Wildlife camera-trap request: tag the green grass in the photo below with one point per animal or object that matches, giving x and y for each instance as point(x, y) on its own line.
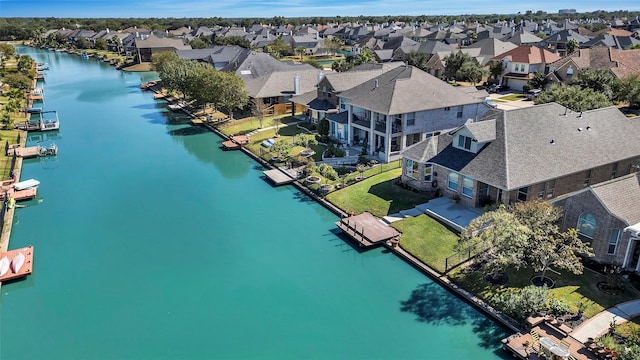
point(253, 123)
point(286, 134)
point(513, 97)
point(573, 288)
point(427, 239)
point(378, 195)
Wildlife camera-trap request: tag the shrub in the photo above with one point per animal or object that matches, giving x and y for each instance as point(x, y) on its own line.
point(328, 172)
point(523, 303)
point(323, 127)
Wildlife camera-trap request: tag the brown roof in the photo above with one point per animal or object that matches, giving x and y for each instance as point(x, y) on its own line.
point(621, 62)
point(628, 62)
point(616, 32)
point(529, 55)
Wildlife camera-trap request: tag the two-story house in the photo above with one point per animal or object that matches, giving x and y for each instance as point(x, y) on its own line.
point(401, 107)
point(521, 63)
point(621, 63)
point(538, 152)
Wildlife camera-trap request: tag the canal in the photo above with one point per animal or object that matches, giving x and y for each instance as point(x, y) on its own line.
point(152, 243)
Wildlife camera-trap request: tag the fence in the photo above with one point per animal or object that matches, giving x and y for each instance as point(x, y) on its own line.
point(5, 203)
point(460, 257)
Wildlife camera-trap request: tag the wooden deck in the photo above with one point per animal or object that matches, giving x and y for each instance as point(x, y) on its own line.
point(236, 142)
point(24, 152)
point(367, 229)
point(18, 195)
point(279, 177)
point(523, 346)
point(26, 268)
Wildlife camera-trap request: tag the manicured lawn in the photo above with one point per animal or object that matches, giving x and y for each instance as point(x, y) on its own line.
point(513, 97)
point(574, 289)
point(286, 134)
point(249, 124)
point(427, 239)
point(378, 195)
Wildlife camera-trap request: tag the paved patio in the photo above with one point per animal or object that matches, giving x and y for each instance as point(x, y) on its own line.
point(455, 215)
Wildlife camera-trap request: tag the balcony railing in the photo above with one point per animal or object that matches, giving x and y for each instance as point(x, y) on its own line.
point(360, 120)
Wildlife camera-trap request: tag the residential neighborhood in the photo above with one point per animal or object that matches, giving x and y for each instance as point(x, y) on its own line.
point(501, 158)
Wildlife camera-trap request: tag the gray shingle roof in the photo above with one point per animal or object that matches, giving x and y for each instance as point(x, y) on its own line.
point(622, 197)
point(406, 89)
point(483, 131)
point(523, 153)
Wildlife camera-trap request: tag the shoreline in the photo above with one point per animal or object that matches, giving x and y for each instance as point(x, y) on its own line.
point(441, 279)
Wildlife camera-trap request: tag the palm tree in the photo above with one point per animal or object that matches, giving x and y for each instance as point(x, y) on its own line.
point(300, 50)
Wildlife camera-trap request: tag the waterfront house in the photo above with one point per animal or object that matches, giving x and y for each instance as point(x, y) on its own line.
point(401, 107)
point(147, 46)
point(521, 63)
point(538, 152)
point(607, 216)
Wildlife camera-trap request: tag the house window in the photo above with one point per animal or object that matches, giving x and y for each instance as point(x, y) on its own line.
point(412, 169)
point(586, 226)
point(483, 189)
point(587, 179)
point(452, 182)
point(570, 72)
point(411, 119)
point(614, 170)
point(459, 112)
point(467, 186)
point(428, 172)
point(613, 241)
point(447, 108)
point(522, 193)
point(464, 142)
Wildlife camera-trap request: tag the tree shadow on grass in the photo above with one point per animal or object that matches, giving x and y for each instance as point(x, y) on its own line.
point(433, 304)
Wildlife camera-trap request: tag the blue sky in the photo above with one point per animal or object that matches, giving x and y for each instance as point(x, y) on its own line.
point(290, 8)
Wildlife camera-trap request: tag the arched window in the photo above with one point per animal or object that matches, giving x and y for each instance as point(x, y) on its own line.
point(586, 225)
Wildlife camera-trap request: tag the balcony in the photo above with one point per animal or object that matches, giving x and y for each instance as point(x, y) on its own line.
point(360, 120)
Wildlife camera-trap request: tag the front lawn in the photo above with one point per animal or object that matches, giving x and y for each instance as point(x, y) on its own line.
point(513, 97)
point(427, 240)
point(574, 289)
point(378, 195)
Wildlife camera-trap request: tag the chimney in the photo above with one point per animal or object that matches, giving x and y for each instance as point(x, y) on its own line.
point(376, 84)
point(296, 84)
point(107, 30)
point(320, 76)
point(137, 34)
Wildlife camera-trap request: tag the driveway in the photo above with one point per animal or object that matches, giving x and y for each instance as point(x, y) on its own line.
point(509, 104)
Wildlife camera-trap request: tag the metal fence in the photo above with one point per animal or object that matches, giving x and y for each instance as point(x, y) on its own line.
point(461, 256)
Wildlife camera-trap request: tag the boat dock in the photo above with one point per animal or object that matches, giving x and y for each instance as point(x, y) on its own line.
point(283, 176)
point(32, 151)
point(26, 267)
point(236, 142)
point(367, 230)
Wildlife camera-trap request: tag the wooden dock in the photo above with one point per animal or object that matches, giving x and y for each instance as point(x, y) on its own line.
point(31, 151)
point(25, 270)
point(279, 177)
point(367, 230)
point(236, 142)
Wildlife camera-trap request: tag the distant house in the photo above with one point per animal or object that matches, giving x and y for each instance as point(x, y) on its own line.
point(557, 43)
point(217, 56)
point(401, 107)
point(607, 216)
point(148, 46)
point(538, 152)
point(521, 63)
point(621, 63)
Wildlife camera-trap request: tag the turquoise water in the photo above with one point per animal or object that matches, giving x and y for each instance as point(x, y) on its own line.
point(152, 243)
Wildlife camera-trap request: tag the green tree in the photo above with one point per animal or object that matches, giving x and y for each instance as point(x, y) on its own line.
point(500, 239)
point(547, 245)
point(101, 44)
point(232, 40)
point(630, 91)
point(175, 75)
point(25, 64)
point(572, 45)
point(323, 127)
point(18, 80)
point(574, 97)
point(417, 59)
point(118, 43)
point(453, 62)
point(341, 65)
point(538, 81)
point(365, 56)
point(83, 43)
point(278, 48)
point(7, 49)
point(333, 44)
point(600, 81)
point(300, 50)
point(231, 93)
point(471, 71)
point(305, 140)
point(158, 60)
point(495, 69)
point(198, 43)
point(5, 120)
point(281, 149)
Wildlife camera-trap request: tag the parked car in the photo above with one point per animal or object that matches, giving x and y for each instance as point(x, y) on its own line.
point(533, 94)
point(496, 88)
